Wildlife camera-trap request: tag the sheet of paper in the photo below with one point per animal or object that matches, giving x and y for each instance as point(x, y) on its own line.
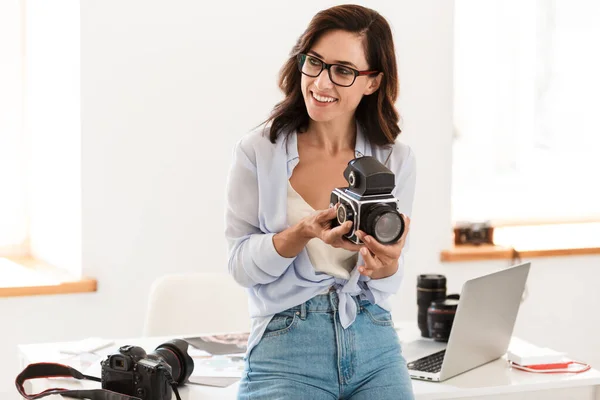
point(229, 343)
point(226, 366)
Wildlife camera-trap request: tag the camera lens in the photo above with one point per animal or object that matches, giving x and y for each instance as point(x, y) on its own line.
point(440, 317)
point(430, 288)
point(175, 354)
point(387, 227)
point(384, 223)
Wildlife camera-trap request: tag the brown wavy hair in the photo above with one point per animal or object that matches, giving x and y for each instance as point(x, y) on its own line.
point(375, 113)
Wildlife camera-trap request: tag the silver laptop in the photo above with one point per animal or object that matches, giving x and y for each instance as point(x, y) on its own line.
point(481, 331)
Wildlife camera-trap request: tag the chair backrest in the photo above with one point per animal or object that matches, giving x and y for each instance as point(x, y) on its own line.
point(188, 304)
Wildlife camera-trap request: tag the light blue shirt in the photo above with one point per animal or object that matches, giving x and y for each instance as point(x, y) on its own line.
point(256, 209)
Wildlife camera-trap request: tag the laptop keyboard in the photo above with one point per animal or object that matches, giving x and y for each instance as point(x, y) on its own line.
point(432, 363)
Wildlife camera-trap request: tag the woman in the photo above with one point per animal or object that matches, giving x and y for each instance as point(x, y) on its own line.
point(321, 327)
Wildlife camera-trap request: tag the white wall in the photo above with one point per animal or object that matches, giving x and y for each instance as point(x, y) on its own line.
point(164, 98)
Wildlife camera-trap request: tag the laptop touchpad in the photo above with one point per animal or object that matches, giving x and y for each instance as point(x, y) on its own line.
point(418, 348)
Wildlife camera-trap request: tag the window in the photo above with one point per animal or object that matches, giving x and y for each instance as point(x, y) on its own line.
point(527, 132)
point(13, 213)
point(40, 190)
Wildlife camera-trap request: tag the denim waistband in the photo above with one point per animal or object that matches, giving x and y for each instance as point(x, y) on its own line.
point(326, 303)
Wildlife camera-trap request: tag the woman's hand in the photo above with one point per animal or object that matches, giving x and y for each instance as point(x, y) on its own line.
point(289, 242)
point(381, 260)
point(318, 225)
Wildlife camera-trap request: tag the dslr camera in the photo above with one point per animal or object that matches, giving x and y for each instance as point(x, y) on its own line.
point(151, 376)
point(368, 201)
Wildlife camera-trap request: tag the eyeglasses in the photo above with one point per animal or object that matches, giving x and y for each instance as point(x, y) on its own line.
point(340, 75)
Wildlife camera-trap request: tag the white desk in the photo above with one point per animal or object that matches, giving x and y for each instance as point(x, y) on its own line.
point(495, 380)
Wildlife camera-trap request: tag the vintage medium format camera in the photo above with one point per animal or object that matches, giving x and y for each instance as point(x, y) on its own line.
point(368, 201)
point(151, 376)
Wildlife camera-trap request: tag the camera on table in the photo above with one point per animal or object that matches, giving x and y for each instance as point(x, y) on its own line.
point(368, 201)
point(151, 376)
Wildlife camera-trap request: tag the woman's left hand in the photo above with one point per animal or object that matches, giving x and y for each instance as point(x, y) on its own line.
point(381, 260)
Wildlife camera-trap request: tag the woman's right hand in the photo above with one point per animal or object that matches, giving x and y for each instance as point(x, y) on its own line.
point(319, 225)
point(289, 242)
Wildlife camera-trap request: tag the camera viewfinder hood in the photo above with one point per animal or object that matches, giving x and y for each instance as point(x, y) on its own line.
point(367, 176)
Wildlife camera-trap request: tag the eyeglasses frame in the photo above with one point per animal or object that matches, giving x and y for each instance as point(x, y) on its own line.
point(326, 66)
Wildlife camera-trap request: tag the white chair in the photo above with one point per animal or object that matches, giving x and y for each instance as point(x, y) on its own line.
point(189, 304)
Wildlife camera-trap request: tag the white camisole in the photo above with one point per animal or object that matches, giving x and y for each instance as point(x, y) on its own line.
point(336, 262)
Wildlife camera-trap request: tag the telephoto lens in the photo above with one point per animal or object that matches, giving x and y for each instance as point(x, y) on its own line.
point(430, 287)
point(440, 317)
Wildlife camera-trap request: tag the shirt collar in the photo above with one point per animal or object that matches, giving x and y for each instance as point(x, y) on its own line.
point(360, 147)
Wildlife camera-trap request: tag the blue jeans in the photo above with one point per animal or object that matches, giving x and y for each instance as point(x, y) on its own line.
point(306, 354)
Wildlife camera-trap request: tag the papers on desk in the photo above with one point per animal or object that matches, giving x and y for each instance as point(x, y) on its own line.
point(228, 343)
point(222, 370)
point(218, 359)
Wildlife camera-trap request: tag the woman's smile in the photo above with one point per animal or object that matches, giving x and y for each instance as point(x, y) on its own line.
point(321, 100)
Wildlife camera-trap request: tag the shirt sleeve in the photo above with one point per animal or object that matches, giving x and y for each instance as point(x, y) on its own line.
point(378, 290)
point(253, 259)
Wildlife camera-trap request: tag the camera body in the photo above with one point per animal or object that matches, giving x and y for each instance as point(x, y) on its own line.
point(148, 376)
point(368, 201)
point(131, 372)
point(475, 233)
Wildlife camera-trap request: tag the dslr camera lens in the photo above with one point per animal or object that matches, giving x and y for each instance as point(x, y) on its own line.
point(175, 354)
point(430, 288)
point(440, 317)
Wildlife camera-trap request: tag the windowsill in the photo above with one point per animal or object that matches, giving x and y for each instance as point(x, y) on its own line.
point(26, 276)
point(492, 252)
point(527, 241)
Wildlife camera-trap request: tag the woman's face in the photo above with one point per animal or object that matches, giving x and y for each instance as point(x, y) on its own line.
point(326, 101)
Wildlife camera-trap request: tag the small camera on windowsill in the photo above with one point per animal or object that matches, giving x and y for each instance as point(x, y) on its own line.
point(474, 233)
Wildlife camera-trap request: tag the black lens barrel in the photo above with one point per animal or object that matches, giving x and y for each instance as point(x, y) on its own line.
point(430, 288)
point(174, 353)
point(440, 317)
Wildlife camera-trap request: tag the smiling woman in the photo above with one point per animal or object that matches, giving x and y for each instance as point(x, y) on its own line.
point(332, 95)
point(362, 75)
point(313, 293)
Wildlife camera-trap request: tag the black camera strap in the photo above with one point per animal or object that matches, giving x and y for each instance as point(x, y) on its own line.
point(52, 370)
point(172, 383)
